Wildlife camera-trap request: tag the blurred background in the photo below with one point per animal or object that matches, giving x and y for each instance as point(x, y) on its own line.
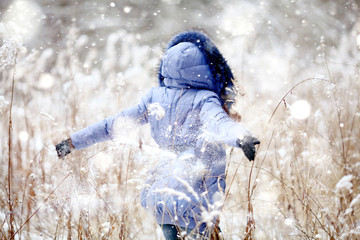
point(75, 62)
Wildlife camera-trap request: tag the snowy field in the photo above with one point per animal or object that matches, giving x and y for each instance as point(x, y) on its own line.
point(67, 64)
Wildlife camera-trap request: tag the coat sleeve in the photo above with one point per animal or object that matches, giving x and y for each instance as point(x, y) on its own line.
point(103, 130)
point(218, 125)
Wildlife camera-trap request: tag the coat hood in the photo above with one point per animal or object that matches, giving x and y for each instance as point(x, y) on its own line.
point(192, 60)
point(184, 66)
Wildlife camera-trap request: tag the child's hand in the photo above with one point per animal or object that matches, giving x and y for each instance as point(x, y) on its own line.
point(64, 148)
point(247, 144)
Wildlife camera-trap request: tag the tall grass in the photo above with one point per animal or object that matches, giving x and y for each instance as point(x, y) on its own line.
point(303, 184)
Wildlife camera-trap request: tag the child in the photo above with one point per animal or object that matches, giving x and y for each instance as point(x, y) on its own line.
point(196, 91)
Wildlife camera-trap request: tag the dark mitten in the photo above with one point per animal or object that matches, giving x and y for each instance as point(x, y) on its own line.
point(247, 144)
point(64, 148)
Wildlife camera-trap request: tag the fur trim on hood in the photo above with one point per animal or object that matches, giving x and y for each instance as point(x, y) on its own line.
point(219, 68)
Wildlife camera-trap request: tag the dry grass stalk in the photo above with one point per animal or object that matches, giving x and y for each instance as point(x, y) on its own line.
point(11, 212)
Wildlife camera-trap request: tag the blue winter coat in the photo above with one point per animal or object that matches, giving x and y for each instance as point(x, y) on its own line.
point(185, 191)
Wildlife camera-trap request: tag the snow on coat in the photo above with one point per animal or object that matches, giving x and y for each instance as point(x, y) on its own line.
point(187, 190)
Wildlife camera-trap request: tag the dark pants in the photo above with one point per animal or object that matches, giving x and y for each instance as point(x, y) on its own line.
point(171, 232)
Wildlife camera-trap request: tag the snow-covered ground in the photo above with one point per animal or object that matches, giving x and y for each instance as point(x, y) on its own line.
point(297, 67)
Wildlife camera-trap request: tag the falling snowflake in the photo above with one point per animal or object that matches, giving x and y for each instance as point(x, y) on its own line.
point(156, 110)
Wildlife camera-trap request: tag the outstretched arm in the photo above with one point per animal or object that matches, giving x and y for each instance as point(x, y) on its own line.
point(225, 129)
point(102, 130)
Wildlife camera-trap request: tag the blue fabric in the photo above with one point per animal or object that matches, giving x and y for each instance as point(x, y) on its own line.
point(220, 70)
point(194, 126)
